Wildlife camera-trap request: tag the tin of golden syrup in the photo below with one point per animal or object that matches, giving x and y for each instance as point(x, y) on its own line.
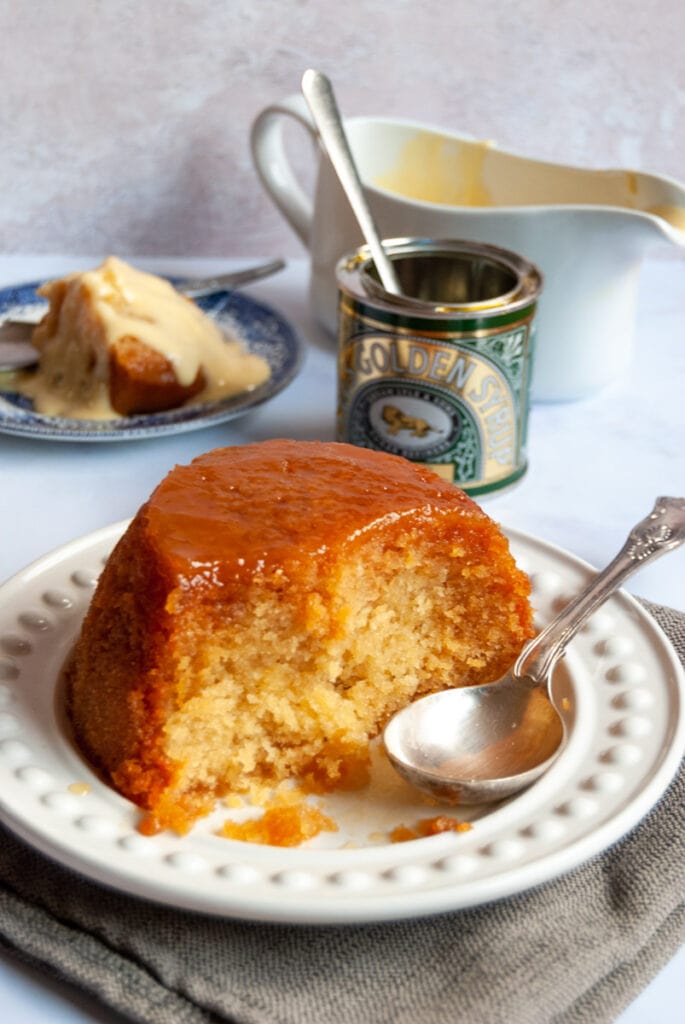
point(441, 374)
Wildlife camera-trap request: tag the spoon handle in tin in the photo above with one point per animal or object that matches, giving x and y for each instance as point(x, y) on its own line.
point(661, 531)
point(318, 92)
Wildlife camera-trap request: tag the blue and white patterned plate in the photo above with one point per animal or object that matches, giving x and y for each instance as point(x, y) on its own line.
point(265, 333)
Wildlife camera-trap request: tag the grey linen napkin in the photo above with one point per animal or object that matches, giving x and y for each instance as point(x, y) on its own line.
point(576, 949)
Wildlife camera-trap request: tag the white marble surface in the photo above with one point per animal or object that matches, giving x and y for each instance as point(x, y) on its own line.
point(595, 468)
point(125, 125)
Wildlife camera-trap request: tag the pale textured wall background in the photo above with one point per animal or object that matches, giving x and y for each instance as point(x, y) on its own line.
point(125, 124)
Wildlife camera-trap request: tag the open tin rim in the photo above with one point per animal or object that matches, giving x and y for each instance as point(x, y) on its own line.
point(476, 277)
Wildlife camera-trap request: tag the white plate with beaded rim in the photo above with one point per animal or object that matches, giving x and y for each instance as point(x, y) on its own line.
point(624, 690)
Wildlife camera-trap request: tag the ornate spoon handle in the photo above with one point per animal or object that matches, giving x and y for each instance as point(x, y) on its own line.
point(661, 531)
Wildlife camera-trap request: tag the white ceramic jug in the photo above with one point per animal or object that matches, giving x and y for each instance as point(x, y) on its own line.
point(586, 230)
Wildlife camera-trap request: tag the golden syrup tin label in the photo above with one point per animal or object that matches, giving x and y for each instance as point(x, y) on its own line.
point(446, 387)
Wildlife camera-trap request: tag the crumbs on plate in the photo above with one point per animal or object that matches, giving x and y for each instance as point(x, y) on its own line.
point(79, 788)
point(287, 818)
point(429, 827)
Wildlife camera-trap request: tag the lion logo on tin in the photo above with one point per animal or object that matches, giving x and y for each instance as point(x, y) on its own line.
point(396, 420)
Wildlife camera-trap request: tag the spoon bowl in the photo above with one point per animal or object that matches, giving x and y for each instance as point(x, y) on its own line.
point(478, 744)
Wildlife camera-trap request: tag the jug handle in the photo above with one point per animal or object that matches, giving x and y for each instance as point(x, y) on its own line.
point(273, 166)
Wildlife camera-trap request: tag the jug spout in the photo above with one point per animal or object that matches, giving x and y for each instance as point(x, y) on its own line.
point(638, 231)
point(660, 205)
point(669, 224)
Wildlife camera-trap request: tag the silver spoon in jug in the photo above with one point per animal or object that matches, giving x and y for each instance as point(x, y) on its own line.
point(318, 92)
point(478, 744)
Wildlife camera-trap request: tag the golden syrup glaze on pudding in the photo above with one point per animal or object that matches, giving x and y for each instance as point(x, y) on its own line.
point(118, 341)
point(269, 608)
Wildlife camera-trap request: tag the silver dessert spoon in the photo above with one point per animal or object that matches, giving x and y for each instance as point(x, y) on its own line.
point(483, 743)
point(17, 352)
point(318, 92)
